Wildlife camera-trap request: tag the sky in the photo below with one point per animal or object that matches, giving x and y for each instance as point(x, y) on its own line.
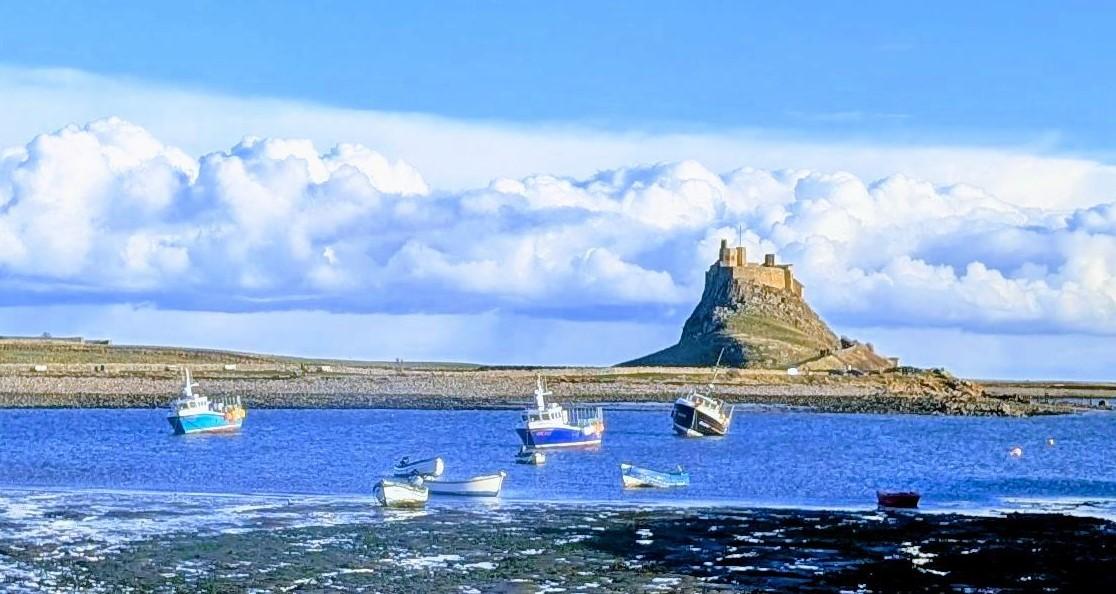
point(540, 183)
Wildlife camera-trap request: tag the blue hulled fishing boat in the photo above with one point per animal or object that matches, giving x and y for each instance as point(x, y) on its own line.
point(552, 426)
point(194, 413)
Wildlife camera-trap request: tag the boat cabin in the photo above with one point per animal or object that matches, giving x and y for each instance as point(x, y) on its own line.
point(553, 413)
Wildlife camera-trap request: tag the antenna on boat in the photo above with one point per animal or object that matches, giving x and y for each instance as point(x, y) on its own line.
point(540, 392)
point(717, 368)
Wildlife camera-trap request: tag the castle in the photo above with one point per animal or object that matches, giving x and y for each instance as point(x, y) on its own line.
point(769, 274)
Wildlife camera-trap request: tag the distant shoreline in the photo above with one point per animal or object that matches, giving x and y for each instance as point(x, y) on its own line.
point(75, 373)
point(480, 389)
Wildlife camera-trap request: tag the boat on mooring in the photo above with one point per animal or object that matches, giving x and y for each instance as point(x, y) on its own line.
point(195, 413)
point(530, 456)
point(635, 477)
point(426, 467)
point(898, 499)
point(400, 493)
point(553, 426)
point(488, 485)
point(699, 415)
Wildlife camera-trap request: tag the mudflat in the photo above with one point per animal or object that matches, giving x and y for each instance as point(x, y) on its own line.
point(578, 549)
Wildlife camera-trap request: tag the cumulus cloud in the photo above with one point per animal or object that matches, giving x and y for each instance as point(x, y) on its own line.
point(108, 212)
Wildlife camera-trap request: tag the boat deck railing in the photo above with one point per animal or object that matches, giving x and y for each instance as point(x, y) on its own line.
point(582, 415)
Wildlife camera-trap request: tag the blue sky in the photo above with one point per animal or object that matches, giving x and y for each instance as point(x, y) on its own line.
point(545, 183)
point(1014, 70)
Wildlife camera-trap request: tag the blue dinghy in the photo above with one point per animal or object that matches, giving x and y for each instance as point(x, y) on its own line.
point(634, 477)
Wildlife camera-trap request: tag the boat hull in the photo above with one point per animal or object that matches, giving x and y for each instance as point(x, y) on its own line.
point(532, 458)
point(559, 437)
point(430, 467)
point(206, 422)
point(481, 486)
point(398, 494)
point(691, 421)
point(898, 500)
point(634, 477)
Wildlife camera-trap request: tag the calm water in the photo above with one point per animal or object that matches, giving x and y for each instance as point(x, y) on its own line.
point(770, 458)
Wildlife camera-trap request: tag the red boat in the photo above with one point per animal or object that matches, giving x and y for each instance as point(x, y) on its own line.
point(899, 499)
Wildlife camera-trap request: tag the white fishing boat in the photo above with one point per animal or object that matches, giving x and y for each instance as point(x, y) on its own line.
point(401, 494)
point(531, 456)
point(488, 485)
point(426, 468)
point(635, 477)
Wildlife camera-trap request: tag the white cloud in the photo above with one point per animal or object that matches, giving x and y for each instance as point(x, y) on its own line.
point(458, 155)
point(108, 212)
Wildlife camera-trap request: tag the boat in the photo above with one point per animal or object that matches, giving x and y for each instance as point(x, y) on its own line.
point(195, 413)
point(426, 467)
point(488, 485)
point(898, 499)
point(700, 415)
point(634, 476)
point(531, 456)
point(400, 493)
point(553, 426)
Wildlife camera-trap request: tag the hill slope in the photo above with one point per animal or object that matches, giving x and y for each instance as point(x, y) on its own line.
point(757, 326)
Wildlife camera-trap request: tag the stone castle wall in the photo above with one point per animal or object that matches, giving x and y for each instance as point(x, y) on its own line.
point(769, 274)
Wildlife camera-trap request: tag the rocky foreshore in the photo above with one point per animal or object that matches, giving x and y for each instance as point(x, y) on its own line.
point(587, 549)
point(382, 387)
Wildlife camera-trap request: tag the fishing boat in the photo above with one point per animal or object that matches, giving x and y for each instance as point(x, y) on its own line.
point(634, 477)
point(898, 499)
point(699, 415)
point(531, 456)
point(553, 426)
point(195, 413)
point(426, 467)
point(401, 494)
point(488, 485)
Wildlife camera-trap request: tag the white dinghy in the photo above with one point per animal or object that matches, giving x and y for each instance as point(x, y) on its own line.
point(531, 456)
point(488, 485)
point(426, 468)
point(401, 494)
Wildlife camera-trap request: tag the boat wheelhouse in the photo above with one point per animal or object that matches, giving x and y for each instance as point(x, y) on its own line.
point(554, 426)
point(195, 413)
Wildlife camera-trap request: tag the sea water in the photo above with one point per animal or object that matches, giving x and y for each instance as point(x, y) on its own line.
point(770, 457)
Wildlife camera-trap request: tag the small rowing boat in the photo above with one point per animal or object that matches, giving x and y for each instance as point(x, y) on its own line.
point(488, 485)
point(531, 456)
point(898, 499)
point(401, 494)
point(635, 477)
point(426, 468)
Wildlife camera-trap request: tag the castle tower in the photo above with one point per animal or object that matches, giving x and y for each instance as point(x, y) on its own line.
point(732, 257)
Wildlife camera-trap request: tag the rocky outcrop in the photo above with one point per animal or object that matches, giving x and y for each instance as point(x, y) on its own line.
point(759, 325)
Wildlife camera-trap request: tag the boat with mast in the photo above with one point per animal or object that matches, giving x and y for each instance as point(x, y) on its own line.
point(699, 415)
point(554, 426)
point(195, 413)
